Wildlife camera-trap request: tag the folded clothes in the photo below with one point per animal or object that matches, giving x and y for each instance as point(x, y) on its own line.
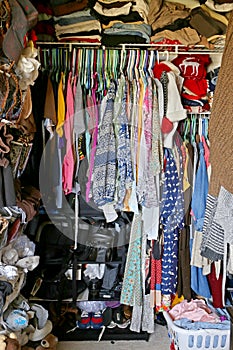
point(188, 324)
point(194, 310)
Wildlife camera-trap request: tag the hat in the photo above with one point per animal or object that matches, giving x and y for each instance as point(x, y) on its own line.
point(23, 18)
point(10, 256)
point(39, 334)
point(223, 7)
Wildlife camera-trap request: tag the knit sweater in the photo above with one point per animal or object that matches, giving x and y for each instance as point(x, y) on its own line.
point(221, 122)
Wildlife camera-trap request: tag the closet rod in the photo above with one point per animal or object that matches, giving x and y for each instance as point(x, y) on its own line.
point(174, 48)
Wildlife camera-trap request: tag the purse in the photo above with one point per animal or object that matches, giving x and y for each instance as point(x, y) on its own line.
point(101, 241)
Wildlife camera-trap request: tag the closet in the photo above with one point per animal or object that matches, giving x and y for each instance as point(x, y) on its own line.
point(135, 146)
point(111, 215)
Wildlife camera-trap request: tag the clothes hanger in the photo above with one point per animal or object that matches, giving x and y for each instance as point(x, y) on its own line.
point(80, 64)
point(115, 58)
point(193, 128)
point(99, 68)
point(200, 129)
point(151, 63)
point(136, 70)
point(186, 129)
point(44, 59)
point(88, 67)
point(130, 64)
point(107, 70)
point(141, 64)
point(122, 60)
point(73, 61)
point(145, 63)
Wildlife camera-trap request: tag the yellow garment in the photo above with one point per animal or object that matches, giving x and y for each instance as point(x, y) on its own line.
point(177, 300)
point(60, 107)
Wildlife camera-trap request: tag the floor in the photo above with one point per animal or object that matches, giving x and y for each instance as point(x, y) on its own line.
point(158, 341)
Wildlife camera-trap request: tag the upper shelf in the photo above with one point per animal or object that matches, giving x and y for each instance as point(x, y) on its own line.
point(169, 48)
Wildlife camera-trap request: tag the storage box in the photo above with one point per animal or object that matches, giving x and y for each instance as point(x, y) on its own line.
point(185, 339)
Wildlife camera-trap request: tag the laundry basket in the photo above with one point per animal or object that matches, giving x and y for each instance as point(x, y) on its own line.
point(185, 339)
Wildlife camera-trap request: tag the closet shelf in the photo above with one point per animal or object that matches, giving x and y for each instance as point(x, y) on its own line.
point(93, 334)
point(169, 48)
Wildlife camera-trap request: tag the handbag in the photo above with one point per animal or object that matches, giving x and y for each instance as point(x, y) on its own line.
point(53, 284)
point(100, 241)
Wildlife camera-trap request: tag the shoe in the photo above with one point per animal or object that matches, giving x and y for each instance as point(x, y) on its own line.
point(112, 325)
point(96, 320)
point(124, 324)
point(85, 321)
point(119, 319)
point(160, 319)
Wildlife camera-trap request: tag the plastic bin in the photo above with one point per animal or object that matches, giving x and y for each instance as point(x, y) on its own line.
point(184, 339)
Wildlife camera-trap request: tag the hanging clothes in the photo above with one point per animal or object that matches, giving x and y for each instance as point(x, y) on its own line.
point(172, 216)
point(199, 282)
point(104, 172)
point(125, 176)
point(131, 293)
point(68, 161)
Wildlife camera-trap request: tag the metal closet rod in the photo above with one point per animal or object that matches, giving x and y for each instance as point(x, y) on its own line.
point(174, 48)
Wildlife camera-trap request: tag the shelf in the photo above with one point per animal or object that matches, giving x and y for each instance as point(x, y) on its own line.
point(93, 334)
point(99, 262)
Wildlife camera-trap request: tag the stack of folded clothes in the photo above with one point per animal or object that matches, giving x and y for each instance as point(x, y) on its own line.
point(122, 21)
point(73, 21)
point(44, 28)
point(189, 22)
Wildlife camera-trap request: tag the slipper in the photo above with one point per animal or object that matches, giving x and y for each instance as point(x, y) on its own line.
point(41, 314)
point(39, 334)
point(28, 263)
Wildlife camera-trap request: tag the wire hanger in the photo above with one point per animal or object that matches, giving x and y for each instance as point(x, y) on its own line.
point(151, 63)
point(122, 61)
point(186, 129)
point(193, 128)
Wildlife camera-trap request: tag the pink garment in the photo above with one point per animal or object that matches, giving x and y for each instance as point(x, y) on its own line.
point(68, 162)
point(206, 151)
point(194, 310)
point(93, 129)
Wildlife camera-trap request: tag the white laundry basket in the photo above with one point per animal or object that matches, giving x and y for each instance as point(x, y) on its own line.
point(185, 339)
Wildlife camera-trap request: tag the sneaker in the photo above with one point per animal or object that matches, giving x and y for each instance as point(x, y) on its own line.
point(124, 324)
point(119, 319)
point(111, 325)
point(85, 321)
point(97, 320)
